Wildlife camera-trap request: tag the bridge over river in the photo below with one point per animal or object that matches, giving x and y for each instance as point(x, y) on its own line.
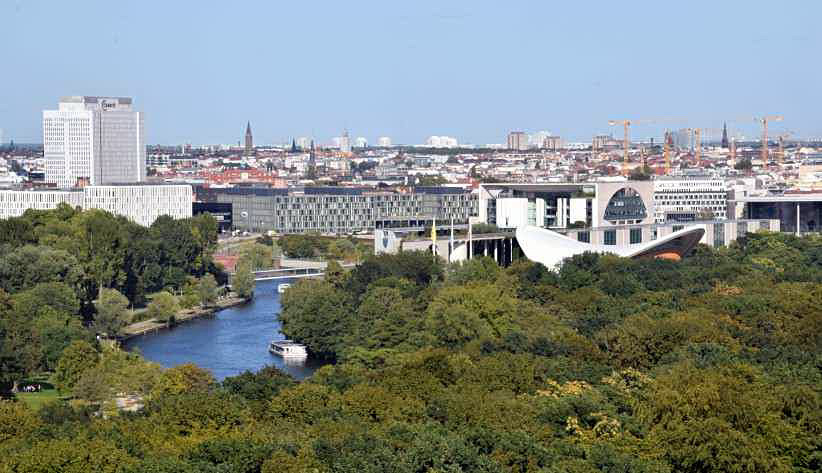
point(294, 269)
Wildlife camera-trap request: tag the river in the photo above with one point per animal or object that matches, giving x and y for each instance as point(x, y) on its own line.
point(227, 343)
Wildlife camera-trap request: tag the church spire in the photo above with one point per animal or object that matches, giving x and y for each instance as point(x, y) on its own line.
point(724, 135)
point(249, 140)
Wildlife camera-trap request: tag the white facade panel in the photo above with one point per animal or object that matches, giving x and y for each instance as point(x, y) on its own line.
point(512, 212)
point(140, 204)
point(579, 210)
point(15, 203)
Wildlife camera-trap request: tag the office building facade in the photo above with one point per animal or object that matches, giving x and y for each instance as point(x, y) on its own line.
point(139, 203)
point(685, 199)
point(338, 210)
point(94, 140)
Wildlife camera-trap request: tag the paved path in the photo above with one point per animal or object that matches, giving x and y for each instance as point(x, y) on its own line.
point(151, 325)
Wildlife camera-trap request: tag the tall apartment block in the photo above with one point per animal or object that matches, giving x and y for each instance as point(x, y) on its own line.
point(94, 140)
point(517, 141)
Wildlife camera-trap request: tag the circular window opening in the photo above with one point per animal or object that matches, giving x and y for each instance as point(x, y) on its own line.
point(625, 204)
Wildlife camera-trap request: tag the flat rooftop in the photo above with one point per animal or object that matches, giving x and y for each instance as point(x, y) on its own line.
point(783, 198)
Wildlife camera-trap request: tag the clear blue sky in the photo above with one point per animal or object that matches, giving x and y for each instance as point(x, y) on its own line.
point(470, 69)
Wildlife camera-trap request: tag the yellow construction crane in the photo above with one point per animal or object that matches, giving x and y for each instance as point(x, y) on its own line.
point(733, 151)
point(698, 142)
point(764, 121)
point(626, 140)
point(626, 137)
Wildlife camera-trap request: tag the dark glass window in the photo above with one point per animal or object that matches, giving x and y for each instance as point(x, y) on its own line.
point(610, 237)
point(584, 237)
point(719, 235)
point(626, 204)
point(636, 236)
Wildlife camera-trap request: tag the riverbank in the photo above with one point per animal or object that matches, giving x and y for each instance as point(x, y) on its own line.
point(152, 325)
point(228, 343)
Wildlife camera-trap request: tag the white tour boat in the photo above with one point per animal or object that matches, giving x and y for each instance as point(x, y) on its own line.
point(288, 349)
point(282, 287)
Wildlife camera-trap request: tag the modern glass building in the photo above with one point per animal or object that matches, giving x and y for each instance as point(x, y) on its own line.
point(338, 210)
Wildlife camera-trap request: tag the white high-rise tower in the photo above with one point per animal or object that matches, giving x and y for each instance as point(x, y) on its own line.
point(345, 142)
point(94, 140)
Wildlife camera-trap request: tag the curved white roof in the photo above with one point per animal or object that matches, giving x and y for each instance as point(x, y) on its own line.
point(551, 248)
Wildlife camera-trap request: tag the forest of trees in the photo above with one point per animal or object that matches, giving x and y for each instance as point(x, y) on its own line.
point(69, 275)
point(711, 364)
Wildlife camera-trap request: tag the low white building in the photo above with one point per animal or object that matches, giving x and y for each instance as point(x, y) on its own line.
point(441, 142)
point(141, 204)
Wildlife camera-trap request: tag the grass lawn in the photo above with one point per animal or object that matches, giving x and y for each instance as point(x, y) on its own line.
point(38, 400)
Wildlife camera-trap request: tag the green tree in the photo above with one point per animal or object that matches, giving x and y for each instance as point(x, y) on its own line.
point(297, 246)
point(54, 296)
point(27, 266)
point(16, 232)
point(185, 378)
point(722, 419)
point(55, 332)
point(260, 386)
point(207, 290)
point(316, 313)
point(73, 456)
point(118, 372)
point(243, 281)
point(258, 256)
point(76, 360)
point(12, 363)
point(101, 247)
point(483, 268)
point(334, 273)
point(342, 248)
point(460, 314)
point(112, 312)
point(480, 228)
point(384, 319)
point(16, 420)
point(204, 230)
point(163, 307)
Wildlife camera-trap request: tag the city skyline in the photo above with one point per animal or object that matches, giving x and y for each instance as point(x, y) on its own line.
point(367, 68)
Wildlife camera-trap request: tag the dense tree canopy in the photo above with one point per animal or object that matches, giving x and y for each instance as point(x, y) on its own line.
point(711, 364)
point(67, 274)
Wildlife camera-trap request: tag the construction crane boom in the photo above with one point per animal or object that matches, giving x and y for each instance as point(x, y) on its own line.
point(764, 121)
point(626, 143)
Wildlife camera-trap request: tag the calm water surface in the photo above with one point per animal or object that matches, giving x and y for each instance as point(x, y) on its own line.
point(229, 342)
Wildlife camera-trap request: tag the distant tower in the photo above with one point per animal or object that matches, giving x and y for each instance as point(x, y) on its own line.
point(312, 163)
point(724, 135)
point(249, 140)
point(345, 142)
